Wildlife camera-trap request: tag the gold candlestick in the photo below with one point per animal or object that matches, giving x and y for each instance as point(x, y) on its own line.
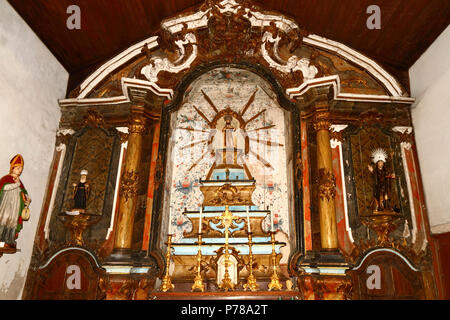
point(227, 219)
point(167, 282)
point(251, 280)
point(274, 280)
point(226, 284)
point(198, 281)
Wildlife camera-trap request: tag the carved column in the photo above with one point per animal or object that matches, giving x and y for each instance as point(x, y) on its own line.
point(326, 181)
point(129, 183)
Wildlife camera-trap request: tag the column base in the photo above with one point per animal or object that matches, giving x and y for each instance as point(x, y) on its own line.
point(324, 257)
point(325, 287)
point(323, 276)
point(134, 261)
point(120, 256)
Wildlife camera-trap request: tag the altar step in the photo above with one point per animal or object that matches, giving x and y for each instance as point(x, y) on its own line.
point(182, 291)
point(229, 295)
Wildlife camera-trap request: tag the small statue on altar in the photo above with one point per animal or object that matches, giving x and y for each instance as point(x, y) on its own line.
point(14, 202)
point(381, 181)
point(229, 137)
point(81, 193)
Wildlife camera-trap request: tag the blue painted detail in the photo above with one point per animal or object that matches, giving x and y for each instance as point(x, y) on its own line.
point(192, 250)
point(214, 226)
point(222, 240)
point(241, 214)
point(239, 226)
point(232, 208)
point(235, 174)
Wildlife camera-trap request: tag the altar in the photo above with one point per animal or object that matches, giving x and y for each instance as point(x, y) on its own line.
point(251, 250)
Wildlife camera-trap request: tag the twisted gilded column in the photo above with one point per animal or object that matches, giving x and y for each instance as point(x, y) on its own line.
point(326, 181)
point(129, 183)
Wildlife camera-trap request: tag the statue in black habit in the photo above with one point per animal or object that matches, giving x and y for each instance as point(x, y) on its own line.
point(81, 193)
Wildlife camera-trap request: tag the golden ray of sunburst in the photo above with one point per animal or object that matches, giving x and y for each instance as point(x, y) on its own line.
point(249, 102)
point(210, 102)
point(255, 116)
point(198, 160)
point(262, 128)
point(202, 115)
point(194, 143)
point(268, 143)
point(192, 129)
point(262, 160)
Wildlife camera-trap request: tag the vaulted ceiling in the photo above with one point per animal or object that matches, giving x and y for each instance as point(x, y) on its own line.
point(408, 27)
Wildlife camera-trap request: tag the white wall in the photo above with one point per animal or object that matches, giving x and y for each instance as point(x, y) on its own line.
point(31, 81)
point(430, 85)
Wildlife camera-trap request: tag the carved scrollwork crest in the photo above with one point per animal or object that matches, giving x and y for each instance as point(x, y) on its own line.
point(230, 30)
point(227, 194)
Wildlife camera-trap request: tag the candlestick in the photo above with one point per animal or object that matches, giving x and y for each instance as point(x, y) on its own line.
point(251, 280)
point(227, 219)
point(248, 221)
point(275, 283)
point(166, 281)
point(198, 280)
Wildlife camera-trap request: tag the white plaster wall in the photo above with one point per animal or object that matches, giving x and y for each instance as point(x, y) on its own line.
point(31, 81)
point(430, 85)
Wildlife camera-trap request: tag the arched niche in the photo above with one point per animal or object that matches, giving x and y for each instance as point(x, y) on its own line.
point(267, 136)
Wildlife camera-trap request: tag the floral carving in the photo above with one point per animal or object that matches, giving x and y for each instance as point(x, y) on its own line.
point(129, 184)
point(327, 184)
point(94, 119)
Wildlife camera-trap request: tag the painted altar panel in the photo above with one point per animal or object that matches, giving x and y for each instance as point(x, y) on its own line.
point(199, 134)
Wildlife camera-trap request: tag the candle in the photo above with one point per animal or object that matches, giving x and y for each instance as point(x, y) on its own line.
point(271, 216)
point(200, 223)
point(248, 221)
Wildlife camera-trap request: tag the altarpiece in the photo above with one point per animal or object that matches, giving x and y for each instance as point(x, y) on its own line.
point(231, 154)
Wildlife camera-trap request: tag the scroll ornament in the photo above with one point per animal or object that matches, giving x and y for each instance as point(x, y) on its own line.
point(293, 64)
point(158, 64)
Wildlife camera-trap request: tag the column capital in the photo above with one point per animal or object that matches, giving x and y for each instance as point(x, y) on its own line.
point(137, 121)
point(321, 119)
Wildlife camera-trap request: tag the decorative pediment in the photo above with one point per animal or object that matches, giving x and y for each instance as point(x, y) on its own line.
point(239, 33)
